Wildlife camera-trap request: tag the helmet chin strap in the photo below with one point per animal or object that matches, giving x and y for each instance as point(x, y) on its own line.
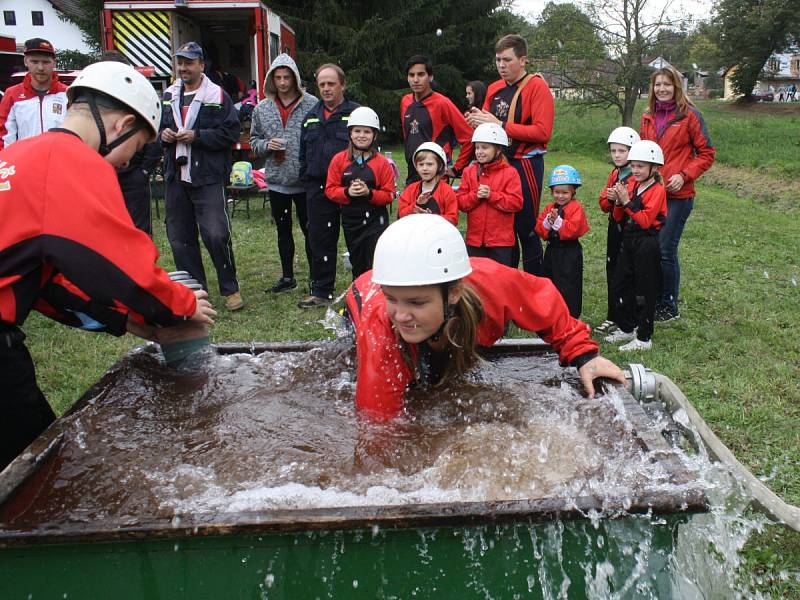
point(105, 148)
point(448, 312)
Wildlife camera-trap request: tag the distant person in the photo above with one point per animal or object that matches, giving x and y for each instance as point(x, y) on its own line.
point(275, 134)
point(490, 194)
point(68, 246)
point(428, 116)
point(324, 135)
point(38, 103)
point(523, 105)
point(641, 205)
point(619, 144)
point(672, 121)
point(431, 194)
point(562, 224)
point(198, 126)
point(475, 94)
point(361, 180)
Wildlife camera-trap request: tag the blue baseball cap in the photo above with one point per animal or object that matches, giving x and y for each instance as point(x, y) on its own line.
point(190, 50)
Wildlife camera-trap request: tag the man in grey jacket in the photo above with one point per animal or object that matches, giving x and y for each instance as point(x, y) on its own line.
point(275, 133)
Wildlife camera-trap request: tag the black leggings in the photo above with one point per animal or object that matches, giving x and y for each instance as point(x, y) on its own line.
point(502, 254)
point(281, 206)
point(637, 284)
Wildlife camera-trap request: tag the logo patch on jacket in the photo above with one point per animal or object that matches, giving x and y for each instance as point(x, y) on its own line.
point(5, 173)
point(57, 108)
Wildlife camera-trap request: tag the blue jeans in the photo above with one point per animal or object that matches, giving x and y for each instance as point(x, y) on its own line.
point(669, 237)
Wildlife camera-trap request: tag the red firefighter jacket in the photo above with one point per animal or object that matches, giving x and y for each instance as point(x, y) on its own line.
point(376, 172)
point(646, 211)
point(508, 295)
point(573, 222)
point(24, 113)
point(67, 243)
point(605, 205)
point(490, 222)
point(686, 145)
point(443, 201)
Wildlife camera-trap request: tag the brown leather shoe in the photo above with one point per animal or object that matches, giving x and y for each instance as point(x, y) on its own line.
point(234, 301)
point(312, 301)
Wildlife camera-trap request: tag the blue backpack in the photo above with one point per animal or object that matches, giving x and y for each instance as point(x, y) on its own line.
point(242, 173)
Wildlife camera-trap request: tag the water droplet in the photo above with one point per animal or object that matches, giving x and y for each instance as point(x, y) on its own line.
point(766, 274)
point(366, 214)
point(329, 224)
point(269, 580)
point(244, 559)
point(355, 583)
point(325, 258)
point(794, 282)
point(176, 521)
point(176, 547)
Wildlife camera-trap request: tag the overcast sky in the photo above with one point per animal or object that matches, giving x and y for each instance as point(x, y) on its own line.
point(696, 9)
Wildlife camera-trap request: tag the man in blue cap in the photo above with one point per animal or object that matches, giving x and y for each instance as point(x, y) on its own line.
point(198, 126)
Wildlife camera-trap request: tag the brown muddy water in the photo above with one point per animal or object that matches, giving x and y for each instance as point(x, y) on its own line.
point(279, 430)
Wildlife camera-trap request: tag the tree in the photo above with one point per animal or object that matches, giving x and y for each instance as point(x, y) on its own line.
point(748, 32)
point(67, 60)
point(86, 15)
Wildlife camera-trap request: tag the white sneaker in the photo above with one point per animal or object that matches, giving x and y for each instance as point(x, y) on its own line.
point(636, 344)
point(620, 336)
point(606, 327)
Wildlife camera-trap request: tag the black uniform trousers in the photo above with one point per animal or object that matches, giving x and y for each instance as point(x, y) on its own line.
point(281, 207)
point(637, 283)
point(324, 221)
point(530, 172)
point(189, 208)
point(362, 227)
point(26, 413)
point(613, 243)
point(135, 186)
point(563, 265)
point(502, 254)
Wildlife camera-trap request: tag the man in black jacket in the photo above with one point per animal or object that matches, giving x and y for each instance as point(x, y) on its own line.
point(324, 133)
point(198, 126)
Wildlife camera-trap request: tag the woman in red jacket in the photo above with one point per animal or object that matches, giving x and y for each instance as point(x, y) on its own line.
point(677, 126)
point(361, 180)
point(422, 313)
point(490, 194)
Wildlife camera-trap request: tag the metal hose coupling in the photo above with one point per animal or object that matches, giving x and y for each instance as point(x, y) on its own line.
point(641, 382)
point(178, 350)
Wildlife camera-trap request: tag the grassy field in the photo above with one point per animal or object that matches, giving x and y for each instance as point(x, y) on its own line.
point(735, 352)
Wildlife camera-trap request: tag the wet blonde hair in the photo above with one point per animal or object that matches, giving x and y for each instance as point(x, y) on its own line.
point(682, 102)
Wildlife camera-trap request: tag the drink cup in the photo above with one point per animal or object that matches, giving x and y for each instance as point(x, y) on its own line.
point(280, 155)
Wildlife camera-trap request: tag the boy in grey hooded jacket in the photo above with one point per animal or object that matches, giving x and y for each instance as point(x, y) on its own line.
point(275, 134)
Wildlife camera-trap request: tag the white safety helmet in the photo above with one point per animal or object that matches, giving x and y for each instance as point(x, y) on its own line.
point(363, 116)
point(431, 147)
point(626, 136)
point(646, 151)
point(124, 84)
point(491, 133)
point(420, 249)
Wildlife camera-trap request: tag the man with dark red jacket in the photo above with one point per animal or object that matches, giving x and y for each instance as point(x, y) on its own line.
point(428, 116)
point(523, 105)
point(39, 102)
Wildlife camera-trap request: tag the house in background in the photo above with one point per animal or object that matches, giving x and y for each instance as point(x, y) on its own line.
point(25, 19)
point(780, 71)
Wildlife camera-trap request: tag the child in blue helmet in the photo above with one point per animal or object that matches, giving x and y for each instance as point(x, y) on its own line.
point(561, 224)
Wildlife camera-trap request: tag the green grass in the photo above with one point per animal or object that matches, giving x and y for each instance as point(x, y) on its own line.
point(735, 352)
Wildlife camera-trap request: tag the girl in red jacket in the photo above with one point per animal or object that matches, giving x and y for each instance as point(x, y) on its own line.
point(429, 195)
point(642, 207)
point(422, 313)
point(490, 194)
point(561, 224)
point(361, 180)
point(675, 123)
point(619, 144)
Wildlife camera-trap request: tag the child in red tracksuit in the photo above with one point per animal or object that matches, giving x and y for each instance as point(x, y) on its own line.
point(560, 224)
point(642, 208)
point(362, 181)
point(429, 195)
point(619, 144)
point(490, 194)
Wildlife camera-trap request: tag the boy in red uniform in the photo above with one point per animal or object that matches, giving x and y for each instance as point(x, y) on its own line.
point(361, 180)
point(490, 194)
point(619, 144)
point(429, 195)
point(68, 247)
point(561, 224)
point(642, 207)
point(428, 116)
point(421, 315)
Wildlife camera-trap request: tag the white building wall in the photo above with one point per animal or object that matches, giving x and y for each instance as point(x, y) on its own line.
point(62, 34)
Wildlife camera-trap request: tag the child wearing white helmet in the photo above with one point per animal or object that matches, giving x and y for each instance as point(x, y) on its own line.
point(362, 181)
point(619, 144)
point(430, 194)
point(490, 193)
point(561, 224)
point(424, 310)
point(641, 208)
point(70, 249)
